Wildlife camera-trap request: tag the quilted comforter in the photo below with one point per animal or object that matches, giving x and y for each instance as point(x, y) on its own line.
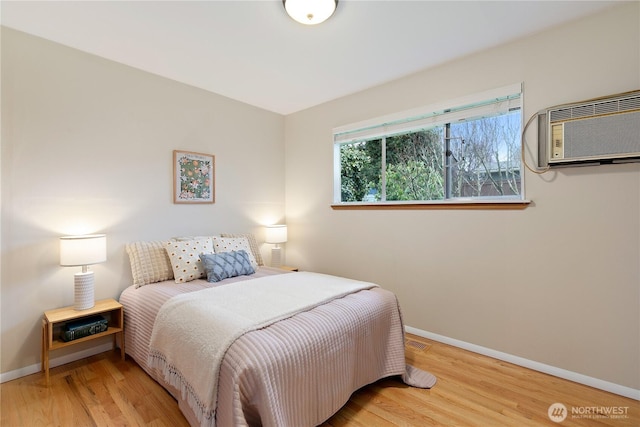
point(296, 371)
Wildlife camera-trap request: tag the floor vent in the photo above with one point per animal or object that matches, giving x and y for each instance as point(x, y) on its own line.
point(416, 345)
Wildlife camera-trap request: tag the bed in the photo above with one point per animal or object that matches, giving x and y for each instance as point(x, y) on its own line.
point(270, 348)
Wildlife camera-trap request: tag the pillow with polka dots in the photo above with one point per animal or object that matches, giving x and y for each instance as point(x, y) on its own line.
point(228, 244)
point(253, 244)
point(185, 258)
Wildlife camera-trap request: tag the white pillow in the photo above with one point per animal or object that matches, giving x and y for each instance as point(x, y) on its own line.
point(228, 244)
point(149, 262)
point(185, 258)
point(255, 250)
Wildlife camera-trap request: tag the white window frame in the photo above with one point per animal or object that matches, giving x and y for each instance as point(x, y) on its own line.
point(485, 103)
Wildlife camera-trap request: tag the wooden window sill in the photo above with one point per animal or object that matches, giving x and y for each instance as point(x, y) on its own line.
point(448, 205)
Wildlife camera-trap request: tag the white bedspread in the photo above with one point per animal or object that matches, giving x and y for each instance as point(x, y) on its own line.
point(193, 332)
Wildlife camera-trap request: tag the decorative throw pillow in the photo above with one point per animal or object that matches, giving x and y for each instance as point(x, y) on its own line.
point(149, 262)
point(253, 244)
point(227, 244)
point(223, 265)
point(185, 258)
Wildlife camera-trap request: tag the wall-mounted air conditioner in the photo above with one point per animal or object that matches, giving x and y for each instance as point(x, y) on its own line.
point(605, 130)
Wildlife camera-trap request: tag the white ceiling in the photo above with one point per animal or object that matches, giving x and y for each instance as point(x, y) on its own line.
point(253, 52)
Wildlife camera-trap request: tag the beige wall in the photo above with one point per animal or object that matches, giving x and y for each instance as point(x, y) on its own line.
point(557, 283)
point(87, 147)
point(87, 143)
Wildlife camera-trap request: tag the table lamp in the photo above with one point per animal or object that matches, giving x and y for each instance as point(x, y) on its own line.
point(276, 234)
point(83, 251)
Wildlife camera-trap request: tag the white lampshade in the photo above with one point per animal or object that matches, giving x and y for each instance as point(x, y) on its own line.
point(276, 234)
point(310, 12)
point(83, 251)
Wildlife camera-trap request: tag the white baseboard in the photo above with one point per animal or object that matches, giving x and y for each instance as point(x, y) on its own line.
point(62, 360)
point(536, 366)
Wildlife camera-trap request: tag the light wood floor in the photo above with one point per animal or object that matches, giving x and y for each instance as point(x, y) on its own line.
point(472, 390)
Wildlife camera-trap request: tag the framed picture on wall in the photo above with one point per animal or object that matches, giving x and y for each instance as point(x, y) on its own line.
point(193, 177)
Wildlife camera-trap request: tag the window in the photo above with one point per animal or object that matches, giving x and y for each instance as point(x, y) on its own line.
point(470, 149)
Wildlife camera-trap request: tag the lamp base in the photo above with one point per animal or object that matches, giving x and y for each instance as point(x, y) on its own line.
point(83, 290)
point(276, 257)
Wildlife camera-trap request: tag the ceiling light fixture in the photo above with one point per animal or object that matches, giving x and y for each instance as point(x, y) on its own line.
point(310, 12)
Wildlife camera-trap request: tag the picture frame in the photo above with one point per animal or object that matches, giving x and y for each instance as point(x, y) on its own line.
point(193, 177)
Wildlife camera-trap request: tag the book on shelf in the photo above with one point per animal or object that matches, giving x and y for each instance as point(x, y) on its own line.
point(84, 327)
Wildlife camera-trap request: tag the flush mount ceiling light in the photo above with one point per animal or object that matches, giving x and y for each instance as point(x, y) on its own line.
point(310, 12)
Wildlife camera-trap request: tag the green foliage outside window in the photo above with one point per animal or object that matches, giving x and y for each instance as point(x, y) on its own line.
point(480, 158)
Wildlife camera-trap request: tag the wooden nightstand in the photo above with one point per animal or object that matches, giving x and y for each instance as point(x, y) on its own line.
point(54, 320)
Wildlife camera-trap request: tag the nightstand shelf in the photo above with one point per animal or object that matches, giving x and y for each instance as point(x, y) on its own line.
point(61, 344)
point(54, 320)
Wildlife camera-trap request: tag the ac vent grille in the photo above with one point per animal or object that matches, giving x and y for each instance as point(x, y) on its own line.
point(595, 109)
point(630, 104)
point(560, 115)
point(606, 108)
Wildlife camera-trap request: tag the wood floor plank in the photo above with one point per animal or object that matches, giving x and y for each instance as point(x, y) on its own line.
point(472, 390)
point(475, 390)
